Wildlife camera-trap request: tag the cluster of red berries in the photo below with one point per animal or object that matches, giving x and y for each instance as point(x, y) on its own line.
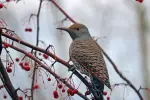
point(72, 92)
point(25, 66)
point(28, 29)
point(55, 94)
point(105, 93)
point(60, 86)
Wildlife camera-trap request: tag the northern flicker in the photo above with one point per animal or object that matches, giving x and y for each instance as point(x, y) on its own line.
point(86, 55)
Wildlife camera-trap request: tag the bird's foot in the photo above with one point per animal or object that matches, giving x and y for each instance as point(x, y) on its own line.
point(72, 68)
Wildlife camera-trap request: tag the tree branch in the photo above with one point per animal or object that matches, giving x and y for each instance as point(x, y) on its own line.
point(47, 69)
point(6, 81)
point(54, 57)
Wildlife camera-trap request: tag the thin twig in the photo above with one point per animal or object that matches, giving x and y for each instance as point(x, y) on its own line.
point(121, 75)
point(37, 43)
point(67, 16)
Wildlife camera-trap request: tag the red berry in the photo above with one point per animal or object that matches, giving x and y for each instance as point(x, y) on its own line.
point(72, 93)
point(5, 96)
point(17, 59)
point(55, 94)
point(45, 56)
point(105, 93)
point(49, 79)
point(87, 93)
point(75, 91)
point(1, 5)
point(6, 45)
point(9, 70)
point(30, 29)
point(140, 1)
point(69, 91)
point(60, 86)
point(26, 29)
point(108, 98)
point(36, 86)
point(26, 64)
point(20, 98)
point(27, 68)
point(7, 0)
point(63, 90)
point(21, 64)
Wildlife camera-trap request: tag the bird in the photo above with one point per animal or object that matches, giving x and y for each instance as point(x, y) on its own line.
point(87, 57)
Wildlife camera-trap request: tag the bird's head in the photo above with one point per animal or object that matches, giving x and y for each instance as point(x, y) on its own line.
point(77, 31)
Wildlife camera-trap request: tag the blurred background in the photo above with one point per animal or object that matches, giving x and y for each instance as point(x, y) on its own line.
point(122, 27)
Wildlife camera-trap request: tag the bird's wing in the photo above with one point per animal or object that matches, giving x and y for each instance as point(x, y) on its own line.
point(88, 54)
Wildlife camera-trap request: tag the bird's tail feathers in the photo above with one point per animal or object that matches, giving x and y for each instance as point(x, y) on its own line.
point(98, 87)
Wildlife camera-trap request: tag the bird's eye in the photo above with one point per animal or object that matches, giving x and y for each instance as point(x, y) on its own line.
point(77, 29)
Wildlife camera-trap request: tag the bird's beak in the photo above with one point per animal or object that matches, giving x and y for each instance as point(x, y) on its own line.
point(63, 28)
point(69, 31)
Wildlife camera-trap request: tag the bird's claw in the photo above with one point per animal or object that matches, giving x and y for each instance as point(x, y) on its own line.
point(72, 68)
point(63, 79)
